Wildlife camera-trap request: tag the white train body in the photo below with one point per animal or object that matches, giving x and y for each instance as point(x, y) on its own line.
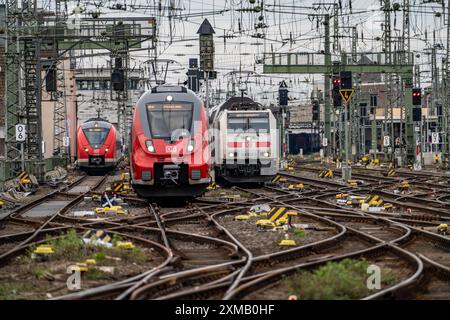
point(245, 145)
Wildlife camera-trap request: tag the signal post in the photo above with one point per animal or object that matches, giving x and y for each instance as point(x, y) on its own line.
point(346, 91)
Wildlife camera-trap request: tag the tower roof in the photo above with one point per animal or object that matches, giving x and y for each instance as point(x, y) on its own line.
point(206, 28)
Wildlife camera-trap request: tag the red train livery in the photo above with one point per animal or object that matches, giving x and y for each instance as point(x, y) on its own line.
point(169, 144)
point(98, 145)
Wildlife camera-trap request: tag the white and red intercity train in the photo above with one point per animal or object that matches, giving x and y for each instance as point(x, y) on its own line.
point(245, 141)
point(169, 149)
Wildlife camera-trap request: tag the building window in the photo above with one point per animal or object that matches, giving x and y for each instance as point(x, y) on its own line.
point(82, 84)
point(133, 84)
point(373, 100)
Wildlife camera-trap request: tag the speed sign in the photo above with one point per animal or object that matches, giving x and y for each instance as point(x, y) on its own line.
point(21, 134)
point(66, 141)
point(386, 141)
point(435, 138)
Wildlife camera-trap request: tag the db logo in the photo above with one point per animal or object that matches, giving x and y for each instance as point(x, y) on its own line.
point(171, 149)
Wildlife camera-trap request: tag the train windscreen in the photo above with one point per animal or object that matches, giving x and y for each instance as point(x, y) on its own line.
point(258, 123)
point(167, 118)
point(237, 124)
point(96, 136)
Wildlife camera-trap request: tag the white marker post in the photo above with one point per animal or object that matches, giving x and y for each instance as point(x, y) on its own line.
point(21, 136)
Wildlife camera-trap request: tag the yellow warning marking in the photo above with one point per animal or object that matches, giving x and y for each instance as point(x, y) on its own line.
point(23, 175)
point(212, 186)
point(277, 214)
point(118, 187)
point(346, 94)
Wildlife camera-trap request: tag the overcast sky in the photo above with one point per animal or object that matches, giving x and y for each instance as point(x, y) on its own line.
point(290, 28)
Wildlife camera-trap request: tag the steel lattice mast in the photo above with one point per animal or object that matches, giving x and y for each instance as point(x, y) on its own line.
point(446, 106)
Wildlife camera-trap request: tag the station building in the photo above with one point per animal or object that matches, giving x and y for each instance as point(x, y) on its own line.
point(94, 94)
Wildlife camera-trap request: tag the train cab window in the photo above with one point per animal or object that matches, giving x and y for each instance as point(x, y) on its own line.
point(237, 124)
point(254, 124)
point(96, 136)
point(260, 125)
point(165, 119)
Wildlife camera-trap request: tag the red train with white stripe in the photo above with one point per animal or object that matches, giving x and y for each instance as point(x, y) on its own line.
point(245, 141)
point(99, 146)
point(169, 144)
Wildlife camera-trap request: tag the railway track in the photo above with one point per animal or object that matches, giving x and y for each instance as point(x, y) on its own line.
point(356, 228)
point(204, 253)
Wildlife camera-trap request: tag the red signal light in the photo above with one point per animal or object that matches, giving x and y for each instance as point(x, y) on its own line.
point(417, 96)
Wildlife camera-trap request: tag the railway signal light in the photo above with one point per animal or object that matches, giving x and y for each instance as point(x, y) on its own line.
point(118, 80)
point(50, 80)
point(283, 94)
point(417, 96)
point(193, 79)
point(346, 80)
point(336, 82)
point(337, 99)
point(439, 110)
point(315, 110)
point(417, 114)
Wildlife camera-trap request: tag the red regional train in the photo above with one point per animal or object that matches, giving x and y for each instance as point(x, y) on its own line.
point(99, 146)
point(170, 155)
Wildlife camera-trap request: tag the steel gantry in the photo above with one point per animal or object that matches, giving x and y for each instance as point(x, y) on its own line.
point(60, 132)
point(34, 33)
point(23, 87)
point(388, 123)
point(320, 63)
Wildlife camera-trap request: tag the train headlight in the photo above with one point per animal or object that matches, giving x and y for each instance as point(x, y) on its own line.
point(169, 98)
point(86, 149)
point(231, 154)
point(106, 149)
point(266, 154)
point(190, 146)
point(149, 145)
